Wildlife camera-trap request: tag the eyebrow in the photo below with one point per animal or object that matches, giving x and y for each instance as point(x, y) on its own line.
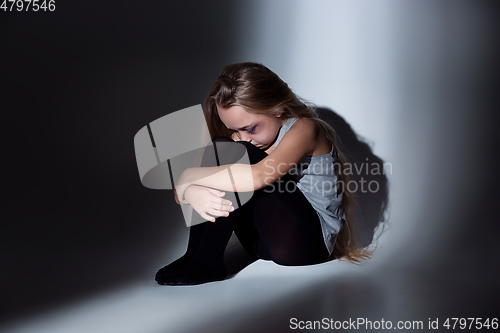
point(244, 127)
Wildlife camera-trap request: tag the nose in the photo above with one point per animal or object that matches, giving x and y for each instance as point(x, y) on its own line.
point(245, 137)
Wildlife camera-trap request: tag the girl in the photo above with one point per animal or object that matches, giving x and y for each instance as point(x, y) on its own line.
point(300, 213)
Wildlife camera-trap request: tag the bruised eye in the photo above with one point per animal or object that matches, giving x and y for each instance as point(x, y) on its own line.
point(251, 130)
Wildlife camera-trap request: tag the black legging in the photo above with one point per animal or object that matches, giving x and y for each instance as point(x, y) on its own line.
point(277, 223)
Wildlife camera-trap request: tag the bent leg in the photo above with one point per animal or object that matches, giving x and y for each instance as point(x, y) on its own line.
point(283, 226)
point(279, 223)
point(228, 154)
point(209, 239)
point(289, 228)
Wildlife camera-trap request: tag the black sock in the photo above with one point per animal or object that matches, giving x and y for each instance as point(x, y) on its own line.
point(195, 236)
point(207, 264)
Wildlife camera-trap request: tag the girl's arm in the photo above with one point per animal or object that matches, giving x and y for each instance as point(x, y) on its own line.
point(298, 141)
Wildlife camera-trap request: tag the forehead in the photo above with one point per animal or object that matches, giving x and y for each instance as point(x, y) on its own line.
point(236, 117)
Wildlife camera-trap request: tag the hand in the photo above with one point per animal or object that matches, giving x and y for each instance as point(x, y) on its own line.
point(208, 201)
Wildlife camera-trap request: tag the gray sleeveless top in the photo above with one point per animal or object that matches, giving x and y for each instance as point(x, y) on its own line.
point(316, 178)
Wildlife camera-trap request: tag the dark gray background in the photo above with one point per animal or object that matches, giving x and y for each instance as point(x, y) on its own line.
point(78, 83)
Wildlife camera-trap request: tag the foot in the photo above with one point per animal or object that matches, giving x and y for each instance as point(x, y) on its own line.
point(192, 275)
point(171, 267)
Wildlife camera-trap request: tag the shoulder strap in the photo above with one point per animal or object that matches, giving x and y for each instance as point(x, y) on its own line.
point(286, 126)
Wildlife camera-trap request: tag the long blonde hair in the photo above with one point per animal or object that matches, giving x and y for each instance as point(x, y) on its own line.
point(257, 89)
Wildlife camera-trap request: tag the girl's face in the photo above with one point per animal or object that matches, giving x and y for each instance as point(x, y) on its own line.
point(258, 129)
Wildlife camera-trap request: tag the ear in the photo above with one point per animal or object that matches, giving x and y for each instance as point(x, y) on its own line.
point(279, 113)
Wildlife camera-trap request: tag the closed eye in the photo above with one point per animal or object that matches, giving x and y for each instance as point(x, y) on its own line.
point(251, 130)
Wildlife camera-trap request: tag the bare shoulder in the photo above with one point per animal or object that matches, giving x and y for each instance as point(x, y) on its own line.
point(310, 131)
point(306, 126)
point(307, 129)
point(304, 131)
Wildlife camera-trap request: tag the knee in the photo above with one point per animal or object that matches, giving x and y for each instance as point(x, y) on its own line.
point(210, 152)
point(222, 139)
point(230, 151)
point(255, 154)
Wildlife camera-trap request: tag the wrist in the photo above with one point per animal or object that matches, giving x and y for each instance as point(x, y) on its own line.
point(183, 182)
point(186, 192)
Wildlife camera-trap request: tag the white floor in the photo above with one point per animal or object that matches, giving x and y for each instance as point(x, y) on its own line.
point(264, 297)
point(147, 307)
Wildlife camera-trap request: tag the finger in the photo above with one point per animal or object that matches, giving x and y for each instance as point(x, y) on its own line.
point(225, 208)
point(216, 192)
point(222, 201)
point(226, 202)
point(229, 205)
point(208, 217)
point(216, 212)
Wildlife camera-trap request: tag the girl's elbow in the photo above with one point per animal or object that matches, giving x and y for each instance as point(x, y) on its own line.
point(258, 184)
point(257, 179)
point(262, 178)
point(263, 181)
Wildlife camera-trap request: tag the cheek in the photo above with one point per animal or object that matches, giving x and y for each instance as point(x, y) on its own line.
point(267, 135)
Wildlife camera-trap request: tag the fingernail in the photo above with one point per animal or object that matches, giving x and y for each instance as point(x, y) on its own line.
point(232, 208)
point(227, 214)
